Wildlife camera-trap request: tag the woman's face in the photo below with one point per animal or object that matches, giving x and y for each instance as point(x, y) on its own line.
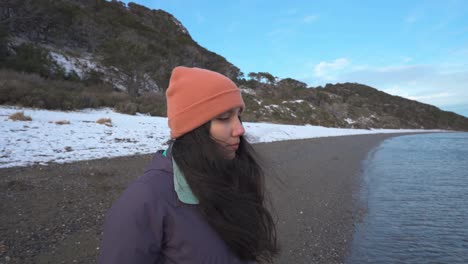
point(226, 129)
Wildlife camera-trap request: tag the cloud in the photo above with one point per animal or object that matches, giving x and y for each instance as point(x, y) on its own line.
point(391, 74)
point(438, 85)
point(311, 18)
point(424, 83)
point(327, 70)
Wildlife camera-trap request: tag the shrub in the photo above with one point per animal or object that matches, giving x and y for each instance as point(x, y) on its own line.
point(33, 59)
point(127, 108)
point(19, 116)
point(31, 90)
point(152, 103)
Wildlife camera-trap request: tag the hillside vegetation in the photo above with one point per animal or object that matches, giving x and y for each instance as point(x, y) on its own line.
point(74, 54)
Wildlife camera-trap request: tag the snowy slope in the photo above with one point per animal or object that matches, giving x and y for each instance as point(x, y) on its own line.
point(41, 140)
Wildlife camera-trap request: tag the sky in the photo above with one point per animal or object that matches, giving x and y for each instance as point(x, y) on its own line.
point(42, 140)
point(415, 49)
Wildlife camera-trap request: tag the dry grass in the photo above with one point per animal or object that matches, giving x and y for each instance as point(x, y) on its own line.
point(62, 122)
point(104, 121)
point(19, 116)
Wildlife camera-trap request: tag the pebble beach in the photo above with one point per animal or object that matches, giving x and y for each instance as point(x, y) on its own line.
point(54, 213)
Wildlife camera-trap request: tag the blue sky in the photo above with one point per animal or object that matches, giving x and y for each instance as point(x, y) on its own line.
point(415, 49)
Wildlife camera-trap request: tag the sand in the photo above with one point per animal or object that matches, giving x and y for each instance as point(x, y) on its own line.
point(54, 213)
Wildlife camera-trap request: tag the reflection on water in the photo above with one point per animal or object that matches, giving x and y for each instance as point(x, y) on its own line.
point(416, 194)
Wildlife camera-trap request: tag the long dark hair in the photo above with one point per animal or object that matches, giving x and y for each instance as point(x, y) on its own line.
point(231, 193)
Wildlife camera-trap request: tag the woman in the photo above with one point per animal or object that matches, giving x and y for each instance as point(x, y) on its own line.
point(202, 199)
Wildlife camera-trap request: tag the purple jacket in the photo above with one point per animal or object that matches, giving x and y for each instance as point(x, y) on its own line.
point(149, 224)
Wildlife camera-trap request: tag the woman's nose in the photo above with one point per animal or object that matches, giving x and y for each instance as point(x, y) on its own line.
point(238, 129)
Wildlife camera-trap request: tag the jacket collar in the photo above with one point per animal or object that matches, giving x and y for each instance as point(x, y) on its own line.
point(182, 189)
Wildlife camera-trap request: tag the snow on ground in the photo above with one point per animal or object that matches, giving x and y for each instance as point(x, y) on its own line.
point(41, 140)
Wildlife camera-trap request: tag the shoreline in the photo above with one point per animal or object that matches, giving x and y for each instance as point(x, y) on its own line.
point(320, 204)
point(54, 213)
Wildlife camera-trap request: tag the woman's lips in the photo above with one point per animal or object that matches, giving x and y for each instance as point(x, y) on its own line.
point(234, 146)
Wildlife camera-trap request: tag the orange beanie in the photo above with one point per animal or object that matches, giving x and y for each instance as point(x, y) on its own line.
point(195, 96)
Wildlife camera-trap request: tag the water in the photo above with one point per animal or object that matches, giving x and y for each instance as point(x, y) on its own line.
point(416, 195)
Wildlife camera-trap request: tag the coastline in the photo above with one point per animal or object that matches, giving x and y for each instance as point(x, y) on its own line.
point(319, 203)
point(54, 213)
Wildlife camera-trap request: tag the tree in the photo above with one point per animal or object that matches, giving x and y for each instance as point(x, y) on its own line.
point(263, 77)
point(292, 83)
point(33, 59)
point(3, 44)
point(133, 62)
point(268, 77)
point(253, 75)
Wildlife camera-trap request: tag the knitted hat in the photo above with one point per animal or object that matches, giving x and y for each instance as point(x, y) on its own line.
point(195, 96)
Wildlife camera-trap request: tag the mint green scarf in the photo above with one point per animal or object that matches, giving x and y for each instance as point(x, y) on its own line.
point(184, 193)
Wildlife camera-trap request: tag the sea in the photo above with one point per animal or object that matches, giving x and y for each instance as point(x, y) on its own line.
point(414, 198)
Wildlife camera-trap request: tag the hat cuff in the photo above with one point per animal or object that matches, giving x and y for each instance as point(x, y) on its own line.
point(206, 110)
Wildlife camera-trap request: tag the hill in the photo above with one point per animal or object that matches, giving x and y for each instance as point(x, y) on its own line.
point(69, 54)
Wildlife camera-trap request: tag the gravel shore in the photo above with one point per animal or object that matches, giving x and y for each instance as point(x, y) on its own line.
point(54, 213)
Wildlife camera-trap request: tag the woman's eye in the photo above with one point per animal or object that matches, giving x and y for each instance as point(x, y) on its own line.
point(223, 118)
